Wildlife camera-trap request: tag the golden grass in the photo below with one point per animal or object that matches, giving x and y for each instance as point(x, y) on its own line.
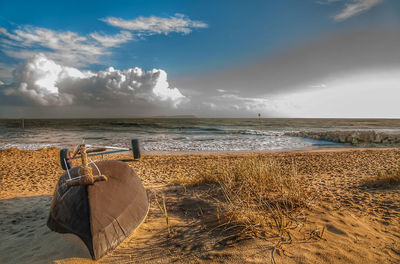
point(385, 179)
point(259, 196)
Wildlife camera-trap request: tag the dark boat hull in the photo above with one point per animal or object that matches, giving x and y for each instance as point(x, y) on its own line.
point(103, 214)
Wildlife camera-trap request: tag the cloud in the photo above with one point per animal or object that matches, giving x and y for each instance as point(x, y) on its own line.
point(65, 47)
point(112, 40)
point(5, 71)
point(157, 25)
point(70, 48)
point(364, 94)
point(41, 81)
point(308, 64)
point(321, 86)
point(367, 94)
point(307, 67)
point(236, 105)
point(356, 7)
point(242, 103)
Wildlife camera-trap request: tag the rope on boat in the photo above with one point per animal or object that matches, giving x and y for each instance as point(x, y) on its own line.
point(108, 147)
point(91, 161)
point(69, 175)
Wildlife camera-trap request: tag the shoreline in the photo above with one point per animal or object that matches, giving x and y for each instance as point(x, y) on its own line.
point(323, 146)
point(316, 149)
point(332, 147)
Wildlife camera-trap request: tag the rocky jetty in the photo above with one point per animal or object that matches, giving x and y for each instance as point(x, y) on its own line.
point(352, 137)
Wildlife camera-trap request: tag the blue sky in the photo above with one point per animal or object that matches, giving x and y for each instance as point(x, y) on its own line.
point(217, 38)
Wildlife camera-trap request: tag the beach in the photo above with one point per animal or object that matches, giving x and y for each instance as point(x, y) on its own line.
point(355, 222)
point(200, 132)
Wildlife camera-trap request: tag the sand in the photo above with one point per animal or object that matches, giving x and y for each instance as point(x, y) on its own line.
point(362, 224)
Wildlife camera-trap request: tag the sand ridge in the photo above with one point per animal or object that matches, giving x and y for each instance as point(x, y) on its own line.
point(361, 223)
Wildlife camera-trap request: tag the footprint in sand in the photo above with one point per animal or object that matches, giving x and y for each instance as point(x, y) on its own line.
point(335, 230)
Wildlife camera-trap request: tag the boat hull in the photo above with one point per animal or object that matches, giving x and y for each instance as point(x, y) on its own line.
point(103, 214)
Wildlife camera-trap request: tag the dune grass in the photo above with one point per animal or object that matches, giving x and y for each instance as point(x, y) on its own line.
point(259, 198)
point(164, 211)
point(384, 179)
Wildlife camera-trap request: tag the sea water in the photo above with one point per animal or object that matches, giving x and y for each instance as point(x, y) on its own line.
point(181, 135)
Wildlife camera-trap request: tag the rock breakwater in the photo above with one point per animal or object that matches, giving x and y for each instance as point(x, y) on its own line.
point(351, 137)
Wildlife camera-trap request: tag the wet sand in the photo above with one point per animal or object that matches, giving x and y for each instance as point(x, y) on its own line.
point(362, 223)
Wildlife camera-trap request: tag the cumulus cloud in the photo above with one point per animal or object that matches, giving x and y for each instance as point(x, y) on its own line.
point(157, 25)
point(356, 7)
point(41, 81)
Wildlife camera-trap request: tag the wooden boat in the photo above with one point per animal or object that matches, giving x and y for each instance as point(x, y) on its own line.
point(102, 212)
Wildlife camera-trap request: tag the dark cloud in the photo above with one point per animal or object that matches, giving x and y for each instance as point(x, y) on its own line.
point(279, 85)
point(305, 65)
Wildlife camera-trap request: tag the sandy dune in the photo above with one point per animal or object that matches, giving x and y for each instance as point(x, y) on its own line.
point(361, 223)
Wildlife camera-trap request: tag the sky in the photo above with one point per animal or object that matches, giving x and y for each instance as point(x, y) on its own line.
point(277, 58)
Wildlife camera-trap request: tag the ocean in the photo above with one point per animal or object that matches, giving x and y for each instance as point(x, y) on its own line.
point(181, 135)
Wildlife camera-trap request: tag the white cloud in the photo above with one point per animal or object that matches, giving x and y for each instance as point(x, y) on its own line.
point(318, 86)
point(42, 81)
point(245, 105)
point(66, 47)
point(70, 48)
point(356, 7)
point(157, 25)
point(112, 41)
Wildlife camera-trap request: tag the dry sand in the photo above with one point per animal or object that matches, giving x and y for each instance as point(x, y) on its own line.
point(362, 223)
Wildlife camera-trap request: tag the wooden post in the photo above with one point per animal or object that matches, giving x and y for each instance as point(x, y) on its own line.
point(136, 148)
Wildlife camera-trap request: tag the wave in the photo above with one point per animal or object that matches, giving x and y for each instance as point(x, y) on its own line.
point(260, 132)
point(173, 127)
point(31, 146)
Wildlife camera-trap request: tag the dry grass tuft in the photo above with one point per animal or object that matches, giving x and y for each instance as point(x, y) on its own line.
point(163, 209)
point(384, 179)
point(259, 197)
